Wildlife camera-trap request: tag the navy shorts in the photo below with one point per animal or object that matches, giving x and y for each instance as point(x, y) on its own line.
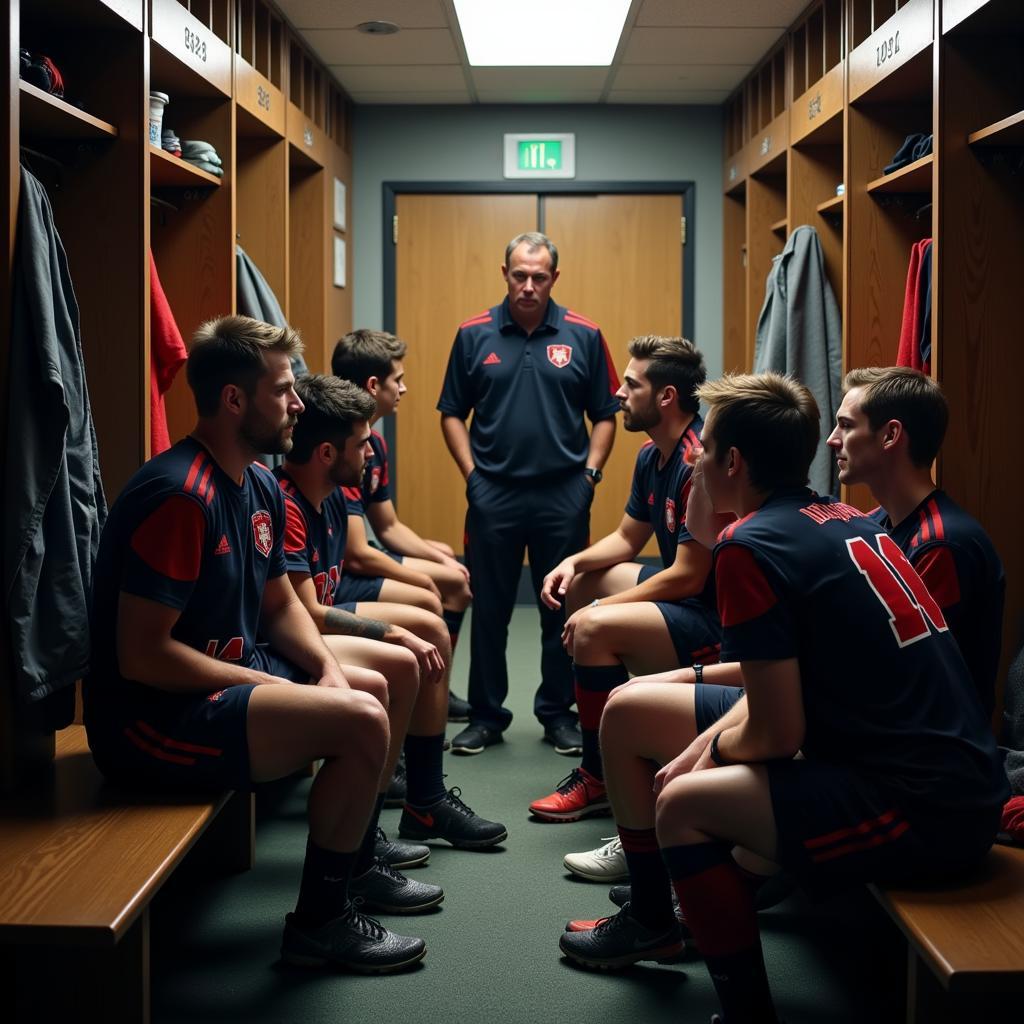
point(183, 742)
point(838, 828)
point(694, 629)
point(266, 659)
point(710, 702)
point(353, 589)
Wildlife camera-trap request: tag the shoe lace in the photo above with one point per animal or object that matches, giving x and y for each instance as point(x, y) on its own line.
point(383, 868)
point(455, 799)
point(572, 781)
point(611, 847)
point(368, 926)
point(382, 837)
point(614, 923)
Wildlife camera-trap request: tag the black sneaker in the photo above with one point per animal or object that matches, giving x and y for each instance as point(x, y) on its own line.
point(620, 894)
point(452, 820)
point(619, 941)
point(397, 854)
point(353, 940)
point(474, 738)
point(458, 709)
point(384, 889)
point(565, 738)
point(394, 795)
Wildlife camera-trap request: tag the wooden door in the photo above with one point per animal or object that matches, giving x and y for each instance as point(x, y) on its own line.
point(621, 265)
point(448, 266)
point(621, 259)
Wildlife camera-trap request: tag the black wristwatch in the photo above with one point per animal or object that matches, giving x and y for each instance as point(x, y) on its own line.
point(716, 757)
point(595, 474)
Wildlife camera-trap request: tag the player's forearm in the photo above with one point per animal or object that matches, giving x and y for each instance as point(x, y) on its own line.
point(671, 584)
point(609, 550)
point(293, 633)
point(338, 622)
point(602, 437)
point(368, 561)
point(751, 742)
point(456, 437)
point(403, 540)
point(177, 668)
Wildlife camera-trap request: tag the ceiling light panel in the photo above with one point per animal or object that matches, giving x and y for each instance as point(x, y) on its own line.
point(541, 33)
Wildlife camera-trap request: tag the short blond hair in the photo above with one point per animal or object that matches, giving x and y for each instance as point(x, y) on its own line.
point(771, 419)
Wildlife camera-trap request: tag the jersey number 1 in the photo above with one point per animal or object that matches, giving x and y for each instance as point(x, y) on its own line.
point(913, 612)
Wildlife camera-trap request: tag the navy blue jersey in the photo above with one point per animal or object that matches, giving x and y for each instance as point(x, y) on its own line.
point(885, 689)
point(314, 542)
point(959, 565)
point(659, 494)
point(186, 535)
point(528, 394)
point(374, 486)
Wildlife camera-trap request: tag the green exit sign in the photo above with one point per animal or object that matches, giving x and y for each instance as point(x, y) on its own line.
point(544, 155)
point(540, 155)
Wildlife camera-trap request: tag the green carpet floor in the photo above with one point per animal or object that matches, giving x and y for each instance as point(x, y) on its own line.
point(493, 944)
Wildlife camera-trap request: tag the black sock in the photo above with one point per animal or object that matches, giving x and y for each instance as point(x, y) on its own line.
point(323, 892)
point(424, 775)
point(650, 896)
point(453, 620)
point(593, 684)
point(718, 904)
point(364, 857)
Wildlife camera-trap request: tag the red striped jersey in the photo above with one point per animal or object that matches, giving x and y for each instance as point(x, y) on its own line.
point(184, 534)
point(529, 395)
point(884, 687)
point(959, 565)
point(314, 541)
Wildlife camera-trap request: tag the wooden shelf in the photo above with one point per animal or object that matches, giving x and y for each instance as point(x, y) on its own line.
point(1007, 132)
point(780, 227)
point(169, 171)
point(46, 116)
point(831, 207)
point(915, 177)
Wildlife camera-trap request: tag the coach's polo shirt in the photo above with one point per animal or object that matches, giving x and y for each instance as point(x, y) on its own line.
point(528, 394)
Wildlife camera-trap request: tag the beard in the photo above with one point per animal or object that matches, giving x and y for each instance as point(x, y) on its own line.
point(264, 437)
point(642, 419)
point(344, 475)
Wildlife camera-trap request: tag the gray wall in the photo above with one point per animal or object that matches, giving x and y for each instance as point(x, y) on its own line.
point(613, 143)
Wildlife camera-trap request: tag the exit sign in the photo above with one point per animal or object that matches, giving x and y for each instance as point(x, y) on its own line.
point(542, 155)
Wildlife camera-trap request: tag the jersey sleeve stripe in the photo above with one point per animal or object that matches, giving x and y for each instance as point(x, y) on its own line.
point(572, 317)
point(204, 480)
point(744, 593)
point(210, 493)
point(613, 377)
point(193, 471)
point(480, 318)
point(936, 517)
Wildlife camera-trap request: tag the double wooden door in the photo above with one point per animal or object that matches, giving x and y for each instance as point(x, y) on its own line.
point(620, 258)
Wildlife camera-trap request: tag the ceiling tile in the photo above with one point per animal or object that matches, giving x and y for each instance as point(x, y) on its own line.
point(417, 46)
point(694, 97)
point(305, 14)
point(535, 79)
point(765, 13)
point(431, 78)
point(530, 95)
point(408, 98)
point(674, 77)
point(699, 45)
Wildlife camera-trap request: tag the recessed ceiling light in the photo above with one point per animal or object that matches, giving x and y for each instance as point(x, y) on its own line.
point(378, 28)
point(541, 33)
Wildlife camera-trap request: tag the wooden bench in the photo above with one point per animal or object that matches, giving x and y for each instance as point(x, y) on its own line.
point(965, 942)
point(80, 862)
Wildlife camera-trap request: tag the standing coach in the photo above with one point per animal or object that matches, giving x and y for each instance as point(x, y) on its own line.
point(527, 369)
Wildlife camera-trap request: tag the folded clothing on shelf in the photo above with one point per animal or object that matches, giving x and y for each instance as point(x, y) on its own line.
point(41, 72)
point(202, 155)
point(913, 148)
point(170, 142)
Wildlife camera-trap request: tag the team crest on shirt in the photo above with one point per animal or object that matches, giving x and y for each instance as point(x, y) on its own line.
point(374, 479)
point(262, 534)
point(670, 514)
point(560, 355)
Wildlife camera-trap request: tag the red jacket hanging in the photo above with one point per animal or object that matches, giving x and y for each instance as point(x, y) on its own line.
point(916, 310)
point(167, 355)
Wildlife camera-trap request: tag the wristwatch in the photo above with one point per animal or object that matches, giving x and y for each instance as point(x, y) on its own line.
point(595, 474)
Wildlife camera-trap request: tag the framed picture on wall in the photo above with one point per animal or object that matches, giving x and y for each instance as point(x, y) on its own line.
point(339, 204)
point(339, 262)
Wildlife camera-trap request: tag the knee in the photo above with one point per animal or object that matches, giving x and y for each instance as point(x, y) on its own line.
point(440, 638)
point(576, 595)
point(619, 722)
point(376, 685)
point(404, 676)
point(588, 629)
point(365, 726)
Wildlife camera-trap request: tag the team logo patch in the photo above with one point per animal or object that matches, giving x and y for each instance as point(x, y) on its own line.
point(670, 514)
point(560, 355)
point(262, 534)
point(374, 479)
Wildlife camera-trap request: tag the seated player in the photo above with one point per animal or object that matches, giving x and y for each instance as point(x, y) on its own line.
point(846, 657)
point(191, 568)
point(889, 429)
point(625, 617)
point(373, 360)
point(331, 442)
